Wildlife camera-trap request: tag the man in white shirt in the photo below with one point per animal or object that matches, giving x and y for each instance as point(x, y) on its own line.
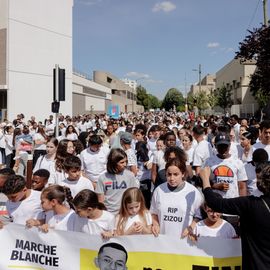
point(236, 126)
point(94, 159)
point(202, 151)
point(265, 137)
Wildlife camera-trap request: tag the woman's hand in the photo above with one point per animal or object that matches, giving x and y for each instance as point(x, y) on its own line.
point(32, 222)
point(44, 228)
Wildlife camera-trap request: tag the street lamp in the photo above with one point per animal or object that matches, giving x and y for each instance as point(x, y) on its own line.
point(200, 74)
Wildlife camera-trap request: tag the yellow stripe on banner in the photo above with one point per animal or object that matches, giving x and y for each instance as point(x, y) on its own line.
point(151, 260)
point(25, 267)
point(161, 261)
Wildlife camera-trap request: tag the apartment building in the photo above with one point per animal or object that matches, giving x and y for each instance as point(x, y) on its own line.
point(122, 94)
point(236, 77)
point(35, 35)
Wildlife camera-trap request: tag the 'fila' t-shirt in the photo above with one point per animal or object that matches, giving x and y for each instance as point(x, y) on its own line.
point(113, 186)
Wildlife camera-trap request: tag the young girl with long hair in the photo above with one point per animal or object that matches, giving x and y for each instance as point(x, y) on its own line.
point(175, 203)
point(40, 138)
point(71, 133)
point(94, 217)
point(59, 215)
point(112, 184)
point(133, 217)
point(48, 161)
point(65, 149)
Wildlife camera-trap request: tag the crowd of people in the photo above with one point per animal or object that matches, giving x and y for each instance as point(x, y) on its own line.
point(139, 174)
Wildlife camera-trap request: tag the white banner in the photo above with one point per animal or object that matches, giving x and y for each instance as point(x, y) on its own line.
point(23, 248)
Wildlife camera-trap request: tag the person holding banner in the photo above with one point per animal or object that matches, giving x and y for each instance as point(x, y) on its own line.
point(111, 256)
point(174, 203)
point(254, 215)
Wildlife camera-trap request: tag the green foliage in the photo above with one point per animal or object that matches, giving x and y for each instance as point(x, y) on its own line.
point(173, 98)
point(201, 100)
point(212, 99)
point(224, 99)
point(256, 46)
point(148, 101)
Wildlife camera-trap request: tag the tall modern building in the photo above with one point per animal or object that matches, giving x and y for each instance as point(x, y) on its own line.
point(35, 35)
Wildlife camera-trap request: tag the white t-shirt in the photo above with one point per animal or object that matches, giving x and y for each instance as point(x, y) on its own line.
point(201, 152)
point(26, 209)
point(189, 154)
point(44, 163)
point(252, 180)
point(136, 218)
point(175, 209)
point(72, 137)
point(225, 230)
point(94, 163)
point(229, 170)
point(57, 177)
point(64, 222)
point(159, 160)
point(38, 136)
point(9, 144)
point(96, 226)
point(77, 186)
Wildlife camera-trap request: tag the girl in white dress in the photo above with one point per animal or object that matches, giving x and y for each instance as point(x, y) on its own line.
point(133, 217)
point(58, 215)
point(94, 219)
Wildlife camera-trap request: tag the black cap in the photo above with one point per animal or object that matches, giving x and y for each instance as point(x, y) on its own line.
point(222, 138)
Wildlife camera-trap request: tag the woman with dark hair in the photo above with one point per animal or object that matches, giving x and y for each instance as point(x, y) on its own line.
point(40, 138)
point(71, 133)
point(65, 149)
point(112, 184)
point(254, 214)
point(246, 141)
point(157, 171)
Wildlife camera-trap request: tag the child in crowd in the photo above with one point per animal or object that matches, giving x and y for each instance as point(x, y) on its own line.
point(160, 144)
point(112, 184)
point(40, 179)
point(214, 226)
point(94, 217)
point(175, 204)
point(4, 174)
point(75, 181)
point(58, 214)
point(133, 217)
point(47, 161)
point(144, 170)
point(125, 141)
point(23, 203)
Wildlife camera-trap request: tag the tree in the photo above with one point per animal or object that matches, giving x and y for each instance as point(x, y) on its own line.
point(212, 99)
point(201, 101)
point(154, 102)
point(141, 95)
point(224, 99)
point(173, 98)
point(148, 101)
point(256, 46)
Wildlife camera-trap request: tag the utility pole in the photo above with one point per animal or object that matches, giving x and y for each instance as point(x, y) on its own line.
point(265, 13)
point(200, 77)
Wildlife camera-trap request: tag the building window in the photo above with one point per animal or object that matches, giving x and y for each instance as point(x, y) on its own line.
point(109, 80)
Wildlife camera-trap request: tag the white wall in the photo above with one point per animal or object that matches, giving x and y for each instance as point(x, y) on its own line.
point(39, 36)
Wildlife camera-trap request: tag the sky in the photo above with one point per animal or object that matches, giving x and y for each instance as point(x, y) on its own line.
point(160, 43)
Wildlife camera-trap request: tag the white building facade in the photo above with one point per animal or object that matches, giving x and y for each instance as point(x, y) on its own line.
point(35, 35)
